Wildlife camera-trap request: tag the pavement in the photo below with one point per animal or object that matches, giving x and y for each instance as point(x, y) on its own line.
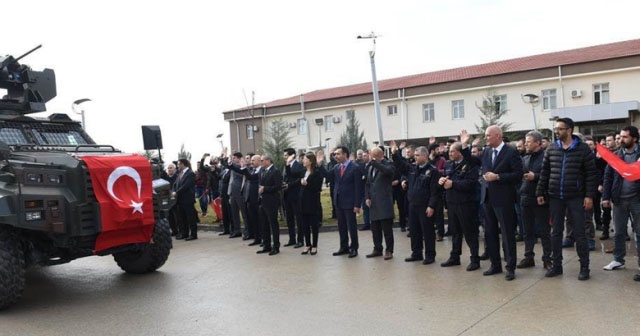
point(220, 286)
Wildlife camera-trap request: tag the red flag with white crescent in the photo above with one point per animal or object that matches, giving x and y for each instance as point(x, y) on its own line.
point(628, 171)
point(123, 188)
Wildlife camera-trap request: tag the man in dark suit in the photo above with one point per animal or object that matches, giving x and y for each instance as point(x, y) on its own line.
point(293, 171)
point(269, 191)
point(502, 169)
point(379, 199)
point(251, 197)
point(348, 199)
point(184, 190)
point(225, 176)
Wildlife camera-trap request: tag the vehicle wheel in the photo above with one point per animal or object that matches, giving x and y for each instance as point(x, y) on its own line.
point(152, 256)
point(12, 268)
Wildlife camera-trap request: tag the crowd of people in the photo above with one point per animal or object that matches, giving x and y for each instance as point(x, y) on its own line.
point(526, 190)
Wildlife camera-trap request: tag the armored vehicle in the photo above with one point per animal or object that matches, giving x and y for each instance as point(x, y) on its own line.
point(62, 196)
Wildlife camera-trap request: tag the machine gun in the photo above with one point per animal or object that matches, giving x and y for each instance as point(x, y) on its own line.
point(27, 91)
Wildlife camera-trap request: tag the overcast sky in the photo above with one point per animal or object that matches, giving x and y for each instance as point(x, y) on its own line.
point(180, 64)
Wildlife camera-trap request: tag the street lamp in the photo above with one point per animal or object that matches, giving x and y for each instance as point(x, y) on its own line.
point(319, 122)
point(374, 82)
point(534, 100)
point(326, 144)
point(219, 138)
point(74, 108)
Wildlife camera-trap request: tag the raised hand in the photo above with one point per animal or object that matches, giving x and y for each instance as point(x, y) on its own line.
point(464, 136)
point(432, 140)
point(320, 157)
point(403, 145)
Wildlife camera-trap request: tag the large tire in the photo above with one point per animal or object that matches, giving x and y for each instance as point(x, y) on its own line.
point(12, 268)
point(152, 256)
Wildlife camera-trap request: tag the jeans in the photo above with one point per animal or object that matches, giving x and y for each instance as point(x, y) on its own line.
point(574, 210)
point(625, 209)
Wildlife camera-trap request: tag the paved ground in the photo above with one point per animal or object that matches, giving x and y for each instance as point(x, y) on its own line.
point(219, 286)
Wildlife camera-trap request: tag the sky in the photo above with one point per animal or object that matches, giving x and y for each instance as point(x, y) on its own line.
point(180, 64)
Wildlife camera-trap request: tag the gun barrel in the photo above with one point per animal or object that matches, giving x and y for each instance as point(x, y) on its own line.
point(28, 52)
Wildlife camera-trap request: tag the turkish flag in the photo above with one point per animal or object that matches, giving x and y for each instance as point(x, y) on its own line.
point(123, 187)
point(628, 171)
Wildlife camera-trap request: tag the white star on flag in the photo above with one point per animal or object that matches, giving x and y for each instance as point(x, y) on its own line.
point(137, 207)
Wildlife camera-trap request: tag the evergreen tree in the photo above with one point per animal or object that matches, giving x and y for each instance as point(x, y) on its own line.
point(491, 113)
point(277, 139)
point(183, 154)
point(352, 138)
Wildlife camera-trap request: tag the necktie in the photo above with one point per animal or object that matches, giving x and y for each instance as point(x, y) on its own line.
point(495, 155)
point(342, 170)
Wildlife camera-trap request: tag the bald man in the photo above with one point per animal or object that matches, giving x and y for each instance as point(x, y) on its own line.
point(502, 169)
point(379, 198)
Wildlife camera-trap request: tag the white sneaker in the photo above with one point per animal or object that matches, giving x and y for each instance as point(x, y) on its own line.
point(614, 265)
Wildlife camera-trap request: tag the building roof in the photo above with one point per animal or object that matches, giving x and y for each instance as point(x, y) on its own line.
point(554, 59)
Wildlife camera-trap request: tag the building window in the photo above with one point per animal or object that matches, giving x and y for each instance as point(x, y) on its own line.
point(501, 102)
point(601, 93)
point(457, 109)
point(328, 123)
point(392, 110)
point(428, 113)
point(350, 114)
point(549, 100)
point(302, 126)
point(249, 131)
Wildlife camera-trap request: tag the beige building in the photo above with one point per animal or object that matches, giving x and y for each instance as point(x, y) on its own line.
point(598, 87)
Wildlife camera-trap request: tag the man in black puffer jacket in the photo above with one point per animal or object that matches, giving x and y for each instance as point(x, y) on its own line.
point(568, 183)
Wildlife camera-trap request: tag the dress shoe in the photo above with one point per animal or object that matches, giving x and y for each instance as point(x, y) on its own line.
point(553, 271)
point(584, 273)
point(274, 251)
point(235, 235)
point(306, 250)
point(413, 258)
point(473, 266)
point(403, 229)
point(510, 275)
point(298, 245)
point(264, 250)
point(173, 234)
point(341, 252)
point(365, 228)
point(254, 243)
point(439, 238)
point(374, 254)
point(313, 251)
point(353, 253)
point(223, 233)
point(604, 235)
point(627, 238)
point(290, 243)
point(179, 237)
point(388, 255)
point(493, 270)
point(428, 260)
point(546, 264)
point(450, 262)
point(191, 238)
point(526, 263)
point(636, 277)
point(246, 237)
point(484, 256)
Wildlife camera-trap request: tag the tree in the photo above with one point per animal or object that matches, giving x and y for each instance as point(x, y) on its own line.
point(148, 154)
point(183, 154)
point(352, 138)
point(491, 113)
point(277, 139)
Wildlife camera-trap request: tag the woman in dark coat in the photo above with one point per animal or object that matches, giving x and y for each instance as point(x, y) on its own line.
point(311, 185)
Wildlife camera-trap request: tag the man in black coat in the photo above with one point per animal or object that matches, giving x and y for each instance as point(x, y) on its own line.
point(379, 199)
point(269, 191)
point(568, 182)
point(535, 217)
point(460, 180)
point(423, 194)
point(292, 173)
point(184, 190)
point(225, 178)
point(502, 169)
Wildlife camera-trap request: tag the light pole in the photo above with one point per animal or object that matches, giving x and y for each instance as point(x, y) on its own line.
point(74, 107)
point(326, 144)
point(534, 101)
point(319, 122)
point(374, 82)
point(219, 138)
